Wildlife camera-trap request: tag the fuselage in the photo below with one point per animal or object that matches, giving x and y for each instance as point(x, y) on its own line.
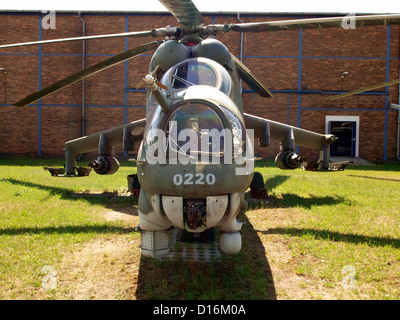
point(196, 160)
point(198, 148)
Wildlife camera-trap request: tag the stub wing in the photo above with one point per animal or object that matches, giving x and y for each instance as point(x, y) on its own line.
point(290, 137)
point(126, 136)
point(267, 129)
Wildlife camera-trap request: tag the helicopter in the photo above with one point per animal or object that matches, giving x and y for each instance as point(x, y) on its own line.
point(195, 158)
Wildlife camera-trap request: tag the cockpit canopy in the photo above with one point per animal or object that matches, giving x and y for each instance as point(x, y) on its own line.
point(196, 130)
point(197, 71)
point(195, 121)
point(192, 73)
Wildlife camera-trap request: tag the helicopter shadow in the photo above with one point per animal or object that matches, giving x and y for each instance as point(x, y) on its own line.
point(335, 236)
point(243, 276)
point(275, 181)
point(110, 200)
point(287, 200)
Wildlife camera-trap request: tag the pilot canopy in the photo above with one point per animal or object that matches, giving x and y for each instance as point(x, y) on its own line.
point(197, 71)
point(204, 126)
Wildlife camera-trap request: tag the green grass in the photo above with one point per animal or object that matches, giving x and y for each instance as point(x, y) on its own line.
point(325, 221)
point(40, 221)
point(350, 218)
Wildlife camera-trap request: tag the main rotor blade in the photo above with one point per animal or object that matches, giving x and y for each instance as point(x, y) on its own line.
point(376, 86)
point(317, 23)
point(185, 11)
point(251, 80)
point(103, 36)
point(87, 72)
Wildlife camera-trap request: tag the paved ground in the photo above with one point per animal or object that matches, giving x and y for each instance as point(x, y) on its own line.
point(356, 160)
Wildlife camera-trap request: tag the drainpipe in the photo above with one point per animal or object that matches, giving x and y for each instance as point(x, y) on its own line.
point(5, 83)
point(241, 50)
point(83, 67)
point(397, 107)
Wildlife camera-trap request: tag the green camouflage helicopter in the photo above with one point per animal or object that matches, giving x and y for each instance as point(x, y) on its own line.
point(196, 145)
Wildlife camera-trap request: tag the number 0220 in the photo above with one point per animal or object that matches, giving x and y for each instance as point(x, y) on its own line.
point(198, 178)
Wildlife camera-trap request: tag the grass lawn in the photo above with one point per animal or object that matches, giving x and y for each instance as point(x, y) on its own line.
point(333, 235)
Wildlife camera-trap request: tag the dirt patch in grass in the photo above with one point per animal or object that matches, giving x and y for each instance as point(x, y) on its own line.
point(105, 268)
point(295, 275)
point(266, 222)
point(291, 283)
point(108, 267)
point(121, 213)
point(304, 267)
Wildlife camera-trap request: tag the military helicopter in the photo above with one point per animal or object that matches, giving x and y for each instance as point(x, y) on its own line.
point(196, 145)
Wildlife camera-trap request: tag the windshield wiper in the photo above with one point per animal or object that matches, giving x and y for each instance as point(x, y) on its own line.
point(184, 81)
point(181, 152)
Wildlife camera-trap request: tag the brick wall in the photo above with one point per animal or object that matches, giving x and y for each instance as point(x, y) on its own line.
point(302, 68)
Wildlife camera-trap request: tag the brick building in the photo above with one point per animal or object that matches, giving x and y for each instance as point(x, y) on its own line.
point(301, 68)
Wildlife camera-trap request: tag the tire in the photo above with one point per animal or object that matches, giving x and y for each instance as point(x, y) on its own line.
point(257, 182)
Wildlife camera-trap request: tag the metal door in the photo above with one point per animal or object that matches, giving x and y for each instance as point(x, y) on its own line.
point(345, 131)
